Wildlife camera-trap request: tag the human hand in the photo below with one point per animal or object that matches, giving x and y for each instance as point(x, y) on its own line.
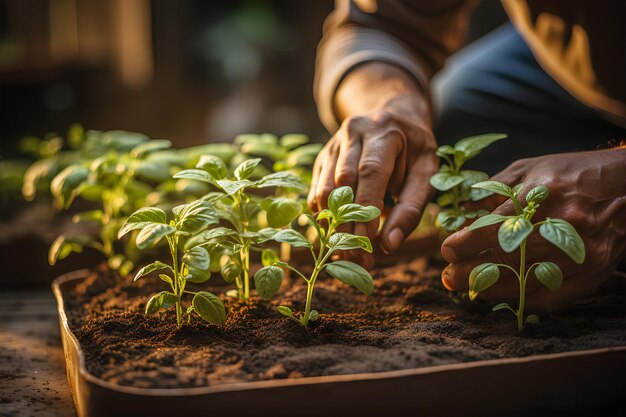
point(587, 189)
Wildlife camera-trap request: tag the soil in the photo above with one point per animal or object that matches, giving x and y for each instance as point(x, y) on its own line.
point(410, 321)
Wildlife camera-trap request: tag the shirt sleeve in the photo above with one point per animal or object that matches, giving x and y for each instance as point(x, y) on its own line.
point(415, 35)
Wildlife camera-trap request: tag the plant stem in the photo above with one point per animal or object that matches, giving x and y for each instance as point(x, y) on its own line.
point(522, 286)
point(309, 296)
point(177, 287)
point(246, 272)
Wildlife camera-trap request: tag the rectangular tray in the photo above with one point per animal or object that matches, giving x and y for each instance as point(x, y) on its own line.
point(573, 382)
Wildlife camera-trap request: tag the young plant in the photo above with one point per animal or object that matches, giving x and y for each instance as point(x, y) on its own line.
point(455, 183)
point(190, 266)
point(239, 208)
point(513, 235)
point(341, 210)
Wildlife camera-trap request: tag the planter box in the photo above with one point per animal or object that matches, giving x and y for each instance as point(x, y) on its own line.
point(589, 382)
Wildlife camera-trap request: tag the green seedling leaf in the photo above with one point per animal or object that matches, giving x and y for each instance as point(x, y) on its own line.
point(151, 234)
point(314, 316)
point(293, 140)
point(537, 194)
point(230, 271)
point(292, 237)
point(162, 300)
point(443, 181)
point(196, 275)
point(482, 277)
point(285, 311)
point(210, 236)
point(231, 187)
point(195, 216)
point(513, 232)
point(142, 218)
point(267, 281)
point(213, 165)
point(280, 211)
point(93, 215)
point(496, 187)
point(194, 174)
point(356, 213)
point(487, 220)
point(340, 197)
point(450, 220)
point(324, 214)
point(517, 189)
point(563, 235)
point(269, 257)
point(348, 241)
point(152, 170)
point(444, 151)
point(351, 274)
point(197, 258)
point(532, 319)
point(209, 307)
point(65, 185)
point(64, 245)
point(281, 179)
point(126, 267)
point(166, 278)
point(151, 268)
point(550, 275)
point(153, 145)
point(246, 168)
point(472, 145)
point(502, 306)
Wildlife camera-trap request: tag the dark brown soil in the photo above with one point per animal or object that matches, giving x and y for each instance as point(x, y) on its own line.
point(410, 321)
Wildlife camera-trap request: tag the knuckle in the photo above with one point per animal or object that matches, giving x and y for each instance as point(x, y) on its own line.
point(353, 123)
point(345, 177)
point(370, 168)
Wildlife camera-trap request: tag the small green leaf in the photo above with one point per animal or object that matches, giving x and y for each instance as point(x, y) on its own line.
point(231, 187)
point(267, 281)
point(195, 216)
point(502, 306)
point(324, 214)
point(64, 245)
point(197, 257)
point(482, 277)
point(153, 145)
point(246, 168)
point(532, 319)
point(230, 271)
point(152, 234)
point(471, 146)
point(142, 218)
point(212, 235)
point(347, 241)
point(563, 235)
point(537, 194)
point(496, 187)
point(166, 278)
point(450, 220)
point(550, 275)
point(280, 211)
point(487, 220)
point(64, 186)
point(313, 316)
point(443, 181)
point(282, 179)
point(445, 150)
point(517, 189)
point(194, 174)
point(351, 274)
point(209, 307)
point(513, 232)
point(285, 311)
point(196, 275)
point(269, 257)
point(340, 197)
point(292, 237)
point(162, 300)
point(151, 268)
point(213, 165)
point(356, 213)
point(94, 215)
point(293, 140)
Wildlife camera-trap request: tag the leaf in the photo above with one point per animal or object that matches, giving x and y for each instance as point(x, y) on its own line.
point(64, 245)
point(532, 319)
point(496, 187)
point(197, 275)
point(501, 306)
point(450, 220)
point(487, 220)
point(293, 140)
point(269, 257)
point(231, 187)
point(443, 181)
point(195, 216)
point(340, 197)
point(162, 300)
point(210, 236)
point(482, 277)
point(94, 215)
point(267, 281)
point(197, 258)
point(357, 213)
point(563, 235)
point(313, 316)
point(281, 211)
point(281, 179)
point(230, 271)
point(153, 170)
point(194, 174)
point(142, 218)
point(445, 150)
point(153, 145)
point(246, 168)
point(166, 278)
point(445, 199)
point(513, 232)
point(537, 194)
point(550, 275)
point(265, 234)
point(64, 186)
point(213, 165)
point(471, 146)
point(351, 274)
point(324, 214)
point(292, 237)
point(347, 241)
point(152, 234)
point(517, 189)
point(285, 311)
point(151, 268)
point(209, 307)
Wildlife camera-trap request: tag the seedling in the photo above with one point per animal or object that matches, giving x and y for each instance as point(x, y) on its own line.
point(456, 183)
point(513, 235)
point(240, 209)
point(192, 266)
point(341, 210)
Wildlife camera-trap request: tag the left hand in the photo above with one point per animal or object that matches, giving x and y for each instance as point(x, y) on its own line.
point(587, 189)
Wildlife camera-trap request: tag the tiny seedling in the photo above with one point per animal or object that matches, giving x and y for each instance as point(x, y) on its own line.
point(239, 208)
point(455, 183)
point(341, 210)
point(512, 235)
point(192, 266)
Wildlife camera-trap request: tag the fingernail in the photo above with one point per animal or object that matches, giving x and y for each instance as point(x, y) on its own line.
point(447, 253)
point(395, 239)
point(446, 280)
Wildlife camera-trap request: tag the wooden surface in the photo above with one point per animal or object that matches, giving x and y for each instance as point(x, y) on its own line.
point(32, 369)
